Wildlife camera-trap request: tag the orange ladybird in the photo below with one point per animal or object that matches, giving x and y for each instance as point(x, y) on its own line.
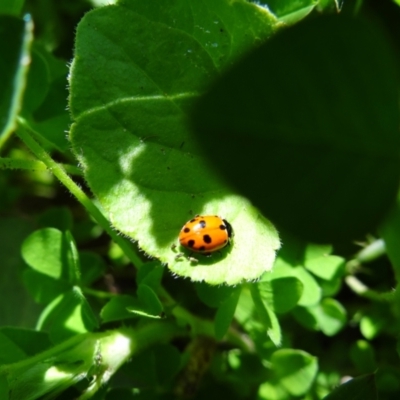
point(205, 234)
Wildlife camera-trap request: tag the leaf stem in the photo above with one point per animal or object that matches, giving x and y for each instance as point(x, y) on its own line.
point(34, 165)
point(362, 290)
point(98, 293)
point(371, 252)
point(60, 173)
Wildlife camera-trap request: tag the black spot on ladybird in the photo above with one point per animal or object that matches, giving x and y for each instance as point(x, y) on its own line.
point(222, 227)
point(191, 243)
point(207, 239)
point(202, 248)
point(193, 220)
point(203, 223)
point(186, 230)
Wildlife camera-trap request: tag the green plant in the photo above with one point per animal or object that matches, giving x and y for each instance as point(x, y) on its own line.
point(187, 107)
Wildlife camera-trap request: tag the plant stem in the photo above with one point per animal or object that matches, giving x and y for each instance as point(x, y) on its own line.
point(371, 252)
point(98, 293)
point(362, 290)
point(80, 195)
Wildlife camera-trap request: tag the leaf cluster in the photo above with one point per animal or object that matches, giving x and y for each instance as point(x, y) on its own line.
point(281, 117)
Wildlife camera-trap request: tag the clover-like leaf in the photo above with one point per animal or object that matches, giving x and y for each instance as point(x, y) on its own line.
point(295, 369)
point(225, 313)
point(139, 66)
point(360, 388)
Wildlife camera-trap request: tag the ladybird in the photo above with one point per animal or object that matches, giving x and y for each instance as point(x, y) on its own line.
point(205, 234)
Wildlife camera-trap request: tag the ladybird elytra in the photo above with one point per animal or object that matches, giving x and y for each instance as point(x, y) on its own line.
point(205, 234)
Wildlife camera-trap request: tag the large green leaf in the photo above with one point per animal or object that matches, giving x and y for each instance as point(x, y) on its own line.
point(12, 7)
point(314, 139)
point(295, 369)
point(138, 68)
point(360, 388)
point(15, 40)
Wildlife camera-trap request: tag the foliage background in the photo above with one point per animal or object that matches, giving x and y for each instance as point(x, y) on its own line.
point(336, 304)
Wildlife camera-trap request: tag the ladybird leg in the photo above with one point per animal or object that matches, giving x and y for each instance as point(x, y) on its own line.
point(192, 259)
point(208, 255)
point(173, 246)
point(179, 256)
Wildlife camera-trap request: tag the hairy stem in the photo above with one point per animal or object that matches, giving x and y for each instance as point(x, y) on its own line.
point(25, 135)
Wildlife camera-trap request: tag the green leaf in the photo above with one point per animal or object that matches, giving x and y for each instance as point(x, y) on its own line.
point(42, 287)
point(281, 294)
point(67, 315)
point(9, 351)
point(151, 274)
point(92, 267)
point(213, 296)
point(326, 267)
point(332, 287)
point(271, 391)
point(16, 306)
point(310, 133)
point(363, 356)
point(330, 316)
point(359, 388)
point(142, 369)
point(225, 313)
point(29, 341)
point(306, 318)
point(267, 316)
point(314, 250)
point(167, 362)
point(74, 263)
point(48, 251)
point(149, 300)
point(245, 307)
point(139, 67)
point(15, 41)
point(295, 370)
point(371, 325)
point(116, 308)
point(17, 344)
point(311, 290)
